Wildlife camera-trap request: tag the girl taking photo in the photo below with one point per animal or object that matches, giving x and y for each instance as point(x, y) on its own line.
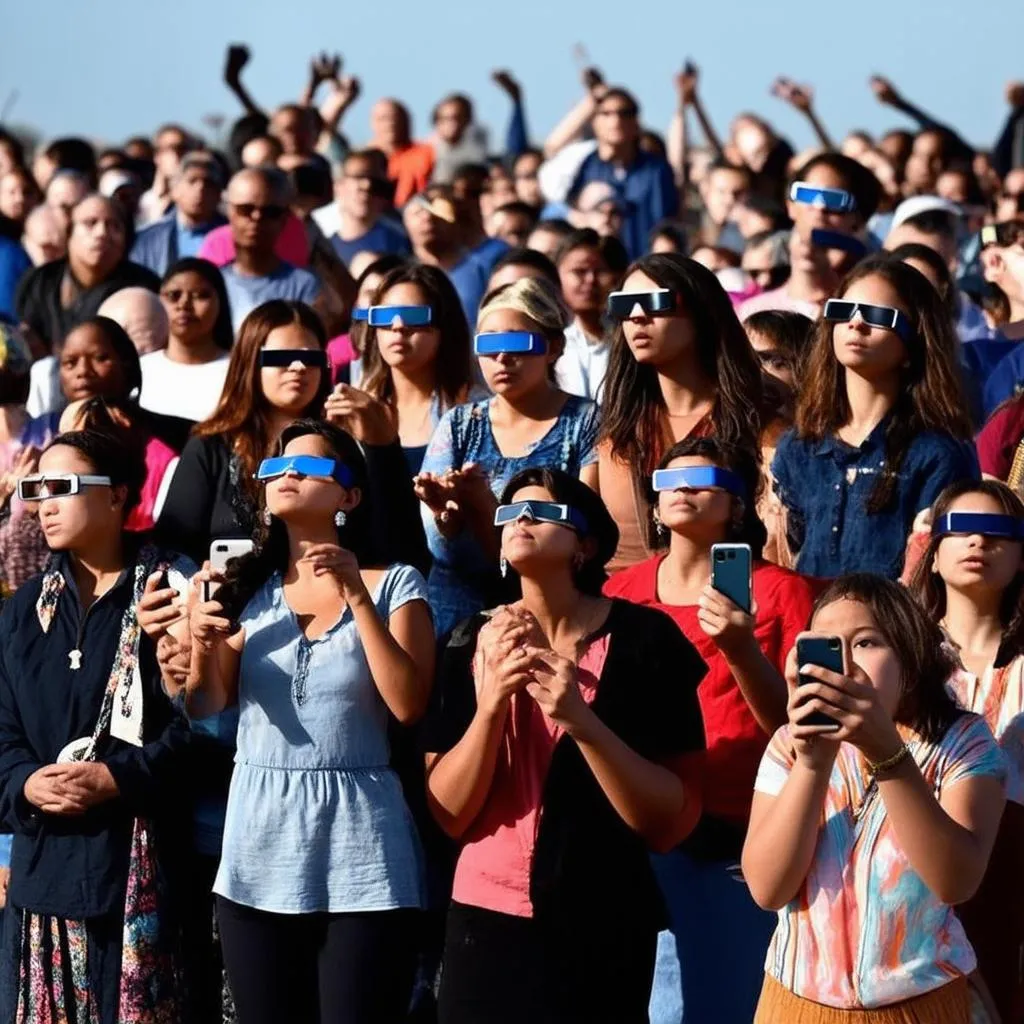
point(875, 811)
point(971, 581)
point(564, 745)
point(318, 642)
point(881, 424)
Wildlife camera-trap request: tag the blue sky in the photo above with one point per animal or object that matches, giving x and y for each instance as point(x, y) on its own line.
point(112, 68)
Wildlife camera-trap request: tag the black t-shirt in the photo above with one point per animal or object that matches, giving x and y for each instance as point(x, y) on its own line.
point(38, 301)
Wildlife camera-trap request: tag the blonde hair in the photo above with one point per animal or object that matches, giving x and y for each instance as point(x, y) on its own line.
point(535, 298)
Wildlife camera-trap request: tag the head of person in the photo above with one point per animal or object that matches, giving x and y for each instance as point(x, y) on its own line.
point(524, 173)
point(124, 188)
point(707, 508)
point(368, 280)
point(45, 237)
point(752, 140)
point(583, 273)
point(431, 221)
point(15, 365)
point(681, 316)
point(278, 370)
point(12, 152)
point(310, 184)
point(113, 159)
point(520, 336)
point(292, 126)
point(141, 313)
point(501, 190)
point(363, 186)
point(616, 119)
point(196, 187)
point(66, 154)
point(669, 236)
point(896, 145)
point(64, 192)
point(519, 263)
point(98, 239)
point(171, 143)
point(959, 185)
point(138, 147)
point(757, 215)
point(196, 303)
point(1002, 258)
point(724, 186)
point(916, 357)
point(766, 259)
point(107, 471)
point(935, 228)
point(781, 339)
point(452, 116)
point(543, 544)
point(18, 194)
point(513, 223)
point(927, 260)
point(470, 183)
point(1009, 202)
point(257, 200)
point(548, 235)
point(262, 151)
point(817, 206)
point(390, 125)
point(715, 257)
point(929, 154)
point(981, 559)
point(599, 207)
point(98, 359)
point(413, 348)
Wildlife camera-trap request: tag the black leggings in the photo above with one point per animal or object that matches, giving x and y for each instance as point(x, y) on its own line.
point(318, 968)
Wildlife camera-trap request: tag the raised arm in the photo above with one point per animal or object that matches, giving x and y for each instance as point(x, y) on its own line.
point(801, 98)
point(713, 140)
point(677, 140)
point(571, 127)
point(885, 92)
point(517, 137)
point(1008, 151)
point(237, 57)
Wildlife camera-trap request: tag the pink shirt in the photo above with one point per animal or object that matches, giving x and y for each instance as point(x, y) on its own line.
point(159, 458)
point(293, 245)
point(780, 299)
point(493, 871)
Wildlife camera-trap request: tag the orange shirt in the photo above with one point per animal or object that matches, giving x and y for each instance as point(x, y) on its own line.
point(410, 169)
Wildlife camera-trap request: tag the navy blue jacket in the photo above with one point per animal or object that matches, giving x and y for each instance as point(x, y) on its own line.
point(76, 867)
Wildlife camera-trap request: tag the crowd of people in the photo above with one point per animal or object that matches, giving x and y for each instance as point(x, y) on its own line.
point(448, 582)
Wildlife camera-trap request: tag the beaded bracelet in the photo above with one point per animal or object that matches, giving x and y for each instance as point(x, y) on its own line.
point(890, 762)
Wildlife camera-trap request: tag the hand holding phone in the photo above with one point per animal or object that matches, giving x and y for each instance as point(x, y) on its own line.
point(827, 652)
point(221, 553)
point(732, 573)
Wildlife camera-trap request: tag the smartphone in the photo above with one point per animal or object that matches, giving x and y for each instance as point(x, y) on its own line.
point(826, 651)
point(731, 573)
point(222, 552)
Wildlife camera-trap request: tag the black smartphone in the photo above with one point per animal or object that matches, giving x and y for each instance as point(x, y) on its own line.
point(826, 651)
point(731, 569)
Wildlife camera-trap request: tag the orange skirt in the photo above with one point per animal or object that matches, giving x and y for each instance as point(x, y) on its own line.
point(951, 1004)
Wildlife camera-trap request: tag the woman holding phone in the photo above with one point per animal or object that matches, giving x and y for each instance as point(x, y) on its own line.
point(881, 424)
point(873, 822)
point(564, 743)
point(318, 642)
point(705, 494)
point(478, 447)
point(971, 580)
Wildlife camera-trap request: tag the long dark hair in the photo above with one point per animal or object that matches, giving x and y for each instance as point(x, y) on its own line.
point(568, 490)
point(746, 528)
point(270, 552)
point(453, 364)
point(931, 397)
point(242, 418)
point(925, 662)
point(634, 407)
point(223, 332)
point(927, 255)
point(929, 587)
point(110, 453)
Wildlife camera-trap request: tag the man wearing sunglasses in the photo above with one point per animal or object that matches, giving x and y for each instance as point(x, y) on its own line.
point(257, 200)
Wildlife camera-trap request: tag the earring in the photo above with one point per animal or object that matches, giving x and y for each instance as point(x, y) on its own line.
point(503, 566)
point(340, 518)
point(267, 517)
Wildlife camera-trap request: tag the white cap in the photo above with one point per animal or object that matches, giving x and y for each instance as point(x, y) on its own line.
point(917, 205)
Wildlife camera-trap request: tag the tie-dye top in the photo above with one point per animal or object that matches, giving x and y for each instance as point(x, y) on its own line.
point(865, 931)
point(998, 696)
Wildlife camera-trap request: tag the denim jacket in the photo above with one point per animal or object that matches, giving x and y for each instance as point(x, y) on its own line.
point(825, 486)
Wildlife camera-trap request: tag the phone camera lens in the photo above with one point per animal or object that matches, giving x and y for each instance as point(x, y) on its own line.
point(719, 556)
point(833, 645)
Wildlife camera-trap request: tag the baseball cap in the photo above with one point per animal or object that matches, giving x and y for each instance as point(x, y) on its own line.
point(917, 205)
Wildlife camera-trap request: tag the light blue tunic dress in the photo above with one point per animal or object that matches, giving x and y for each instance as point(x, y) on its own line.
point(316, 819)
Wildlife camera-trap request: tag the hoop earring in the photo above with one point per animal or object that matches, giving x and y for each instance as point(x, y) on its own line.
point(503, 566)
point(340, 518)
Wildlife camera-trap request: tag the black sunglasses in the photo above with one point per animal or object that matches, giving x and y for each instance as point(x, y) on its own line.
point(269, 212)
point(284, 357)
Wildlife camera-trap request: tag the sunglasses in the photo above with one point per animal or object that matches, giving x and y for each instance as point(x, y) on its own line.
point(305, 465)
point(282, 358)
point(835, 200)
point(175, 295)
point(519, 343)
point(400, 316)
point(622, 305)
point(59, 485)
point(889, 319)
point(985, 524)
point(360, 313)
point(270, 212)
point(541, 512)
point(698, 478)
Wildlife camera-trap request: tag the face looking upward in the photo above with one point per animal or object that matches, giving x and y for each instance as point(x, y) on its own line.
point(874, 353)
point(657, 341)
point(513, 376)
point(299, 499)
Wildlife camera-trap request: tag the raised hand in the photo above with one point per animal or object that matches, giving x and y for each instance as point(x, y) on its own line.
point(323, 68)
point(159, 608)
point(884, 90)
point(25, 462)
point(687, 81)
point(728, 625)
point(362, 415)
point(1015, 94)
point(501, 665)
point(556, 690)
point(504, 81)
point(207, 622)
point(237, 57)
point(799, 96)
point(339, 564)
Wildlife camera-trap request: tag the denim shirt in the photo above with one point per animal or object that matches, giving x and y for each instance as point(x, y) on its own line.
point(462, 574)
point(825, 486)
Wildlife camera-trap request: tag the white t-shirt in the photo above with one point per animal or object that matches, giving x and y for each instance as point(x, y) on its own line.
point(188, 390)
point(583, 364)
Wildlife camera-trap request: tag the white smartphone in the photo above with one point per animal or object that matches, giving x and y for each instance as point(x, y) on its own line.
point(222, 552)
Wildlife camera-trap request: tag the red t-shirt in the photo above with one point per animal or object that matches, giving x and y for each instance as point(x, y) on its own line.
point(999, 438)
point(735, 741)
